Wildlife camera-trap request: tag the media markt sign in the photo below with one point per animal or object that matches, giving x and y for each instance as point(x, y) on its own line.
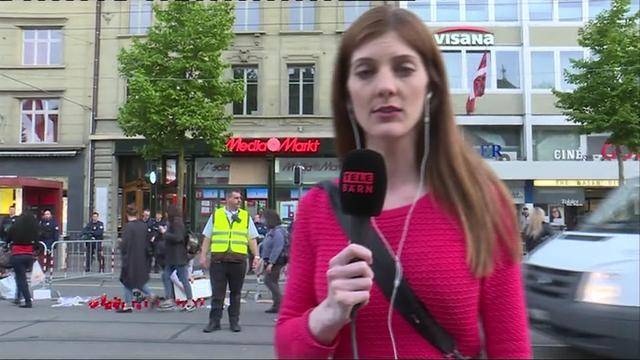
point(464, 36)
point(273, 145)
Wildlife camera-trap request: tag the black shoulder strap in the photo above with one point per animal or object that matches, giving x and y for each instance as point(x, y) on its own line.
point(384, 268)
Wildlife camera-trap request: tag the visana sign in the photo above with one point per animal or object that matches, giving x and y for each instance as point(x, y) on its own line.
point(287, 145)
point(464, 36)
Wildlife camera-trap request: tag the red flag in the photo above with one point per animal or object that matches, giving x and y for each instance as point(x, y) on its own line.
point(479, 80)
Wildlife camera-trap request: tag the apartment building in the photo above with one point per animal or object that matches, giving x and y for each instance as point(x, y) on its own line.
point(46, 56)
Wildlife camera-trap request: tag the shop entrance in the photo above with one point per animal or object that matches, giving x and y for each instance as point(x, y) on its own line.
point(138, 193)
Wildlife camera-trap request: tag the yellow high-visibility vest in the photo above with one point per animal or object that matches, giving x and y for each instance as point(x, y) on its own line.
point(225, 235)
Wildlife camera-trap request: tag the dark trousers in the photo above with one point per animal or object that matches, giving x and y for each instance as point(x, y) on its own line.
point(94, 248)
point(21, 264)
point(271, 281)
point(222, 273)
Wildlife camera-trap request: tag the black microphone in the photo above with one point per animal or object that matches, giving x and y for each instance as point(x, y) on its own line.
point(363, 186)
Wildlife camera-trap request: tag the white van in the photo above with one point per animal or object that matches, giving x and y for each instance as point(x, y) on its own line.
point(583, 287)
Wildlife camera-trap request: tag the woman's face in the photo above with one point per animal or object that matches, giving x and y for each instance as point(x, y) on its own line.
point(555, 213)
point(387, 86)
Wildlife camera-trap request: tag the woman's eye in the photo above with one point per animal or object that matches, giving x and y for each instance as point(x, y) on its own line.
point(365, 73)
point(405, 70)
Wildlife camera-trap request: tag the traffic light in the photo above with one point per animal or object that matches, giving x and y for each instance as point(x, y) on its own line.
point(297, 174)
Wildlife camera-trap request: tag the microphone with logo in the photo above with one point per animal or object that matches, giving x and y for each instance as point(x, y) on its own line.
point(363, 185)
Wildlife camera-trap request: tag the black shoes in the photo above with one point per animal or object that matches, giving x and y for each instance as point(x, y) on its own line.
point(212, 326)
point(235, 327)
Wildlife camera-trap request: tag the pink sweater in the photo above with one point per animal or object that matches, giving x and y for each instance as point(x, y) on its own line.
point(433, 260)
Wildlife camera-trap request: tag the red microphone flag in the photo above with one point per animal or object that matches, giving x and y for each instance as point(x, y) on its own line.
point(479, 80)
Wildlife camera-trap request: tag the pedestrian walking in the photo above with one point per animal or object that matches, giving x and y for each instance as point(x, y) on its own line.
point(49, 233)
point(537, 231)
point(156, 240)
point(94, 230)
point(446, 239)
point(135, 252)
point(175, 258)
point(22, 237)
point(229, 233)
point(273, 256)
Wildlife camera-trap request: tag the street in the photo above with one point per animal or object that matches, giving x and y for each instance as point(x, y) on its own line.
point(81, 332)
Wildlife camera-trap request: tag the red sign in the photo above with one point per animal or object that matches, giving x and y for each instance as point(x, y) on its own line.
point(287, 145)
point(358, 182)
point(609, 153)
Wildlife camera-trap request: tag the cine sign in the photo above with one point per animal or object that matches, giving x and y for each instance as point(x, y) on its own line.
point(464, 36)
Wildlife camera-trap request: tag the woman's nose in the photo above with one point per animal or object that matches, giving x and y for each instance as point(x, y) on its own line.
point(386, 83)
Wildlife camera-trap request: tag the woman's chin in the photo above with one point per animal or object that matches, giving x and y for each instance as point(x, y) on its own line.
point(389, 131)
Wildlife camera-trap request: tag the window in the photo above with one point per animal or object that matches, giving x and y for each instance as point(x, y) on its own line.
point(39, 119)
point(477, 10)
point(422, 8)
point(473, 61)
point(453, 63)
point(541, 10)
point(495, 141)
point(569, 10)
point(301, 79)
point(547, 71)
point(139, 16)
point(508, 69)
point(303, 15)
point(247, 16)
point(548, 139)
point(352, 10)
point(542, 70)
point(597, 6)
point(42, 47)
point(565, 64)
point(249, 77)
point(447, 10)
point(506, 10)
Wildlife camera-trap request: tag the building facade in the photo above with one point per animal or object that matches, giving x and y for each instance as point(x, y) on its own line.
point(46, 53)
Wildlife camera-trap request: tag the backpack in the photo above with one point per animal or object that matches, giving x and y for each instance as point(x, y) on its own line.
point(283, 259)
point(193, 244)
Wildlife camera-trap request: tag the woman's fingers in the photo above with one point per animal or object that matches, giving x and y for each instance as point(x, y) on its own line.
point(349, 253)
point(348, 271)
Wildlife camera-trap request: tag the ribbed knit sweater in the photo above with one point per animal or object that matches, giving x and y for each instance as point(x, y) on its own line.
point(434, 264)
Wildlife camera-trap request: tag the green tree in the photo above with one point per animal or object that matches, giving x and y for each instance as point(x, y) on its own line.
point(177, 91)
point(607, 94)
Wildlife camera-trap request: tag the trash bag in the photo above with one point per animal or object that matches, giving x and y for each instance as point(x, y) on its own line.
point(8, 287)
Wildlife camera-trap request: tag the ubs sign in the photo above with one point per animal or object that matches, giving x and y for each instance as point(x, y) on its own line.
point(464, 36)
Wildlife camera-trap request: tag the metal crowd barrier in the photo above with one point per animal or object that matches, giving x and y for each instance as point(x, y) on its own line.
point(78, 257)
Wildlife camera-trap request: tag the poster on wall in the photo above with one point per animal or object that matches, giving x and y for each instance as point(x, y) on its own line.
point(556, 214)
point(287, 209)
point(170, 171)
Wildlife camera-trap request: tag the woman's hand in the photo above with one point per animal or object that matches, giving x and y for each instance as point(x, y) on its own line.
point(349, 280)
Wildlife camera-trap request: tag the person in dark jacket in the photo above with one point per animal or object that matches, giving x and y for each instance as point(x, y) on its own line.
point(271, 254)
point(94, 230)
point(49, 233)
point(7, 222)
point(22, 236)
point(157, 240)
point(134, 249)
point(175, 258)
point(537, 231)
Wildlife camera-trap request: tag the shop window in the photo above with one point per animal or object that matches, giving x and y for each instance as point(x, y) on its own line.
point(353, 10)
point(508, 69)
point(555, 142)
point(249, 78)
point(453, 63)
point(565, 65)
point(39, 118)
point(542, 70)
point(447, 10)
point(569, 10)
point(506, 10)
point(247, 16)
point(42, 47)
point(541, 10)
point(139, 16)
point(477, 10)
point(302, 15)
point(301, 92)
point(422, 8)
point(598, 6)
point(495, 142)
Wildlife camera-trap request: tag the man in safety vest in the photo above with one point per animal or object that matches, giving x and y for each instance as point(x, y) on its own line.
point(228, 234)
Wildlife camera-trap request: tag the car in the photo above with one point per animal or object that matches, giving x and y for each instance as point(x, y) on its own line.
point(583, 287)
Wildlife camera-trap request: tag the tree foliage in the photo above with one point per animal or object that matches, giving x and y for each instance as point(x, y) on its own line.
point(607, 94)
point(175, 77)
